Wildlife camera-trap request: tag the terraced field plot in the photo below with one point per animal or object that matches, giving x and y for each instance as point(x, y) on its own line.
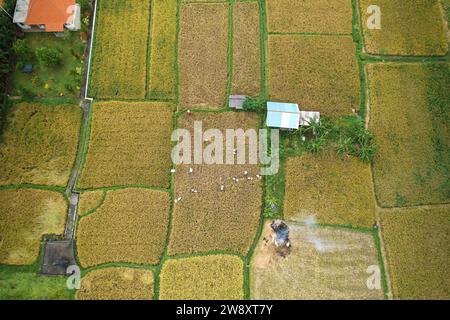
point(211, 219)
point(130, 226)
point(417, 244)
point(409, 28)
point(409, 116)
point(330, 190)
point(309, 16)
point(163, 68)
point(121, 49)
point(246, 49)
point(25, 216)
point(214, 277)
point(203, 55)
point(117, 283)
point(319, 73)
point(40, 144)
point(129, 145)
point(324, 263)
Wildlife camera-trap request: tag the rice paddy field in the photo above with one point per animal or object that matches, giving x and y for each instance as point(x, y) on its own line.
point(318, 72)
point(120, 47)
point(246, 49)
point(211, 219)
point(324, 263)
point(407, 29)
point(411, 166)
point(329, 190)
point(100, 172)
point(39, 144)
point(117, 283)
point(215, 277)
point(118, 229)
point(203, 55)
point(309, 16)
point(26, 215)
point(129, 145)
point(417, 245)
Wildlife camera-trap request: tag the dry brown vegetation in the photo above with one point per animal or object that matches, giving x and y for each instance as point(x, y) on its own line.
point(246, 49)
point(212, 219)
point(117, 284)
point(418, 245)
point(324, 263)
point(412, 29)
point(214, 277)
point(25, 216)
point(129, 145)
point(310, 16)
point(409, 116)
point(163, 71)
point(330, 189)
point(40, 144)
point(203, 55)
point(120, 52)
point(89, 201)
point(319, 73)
point(130, 226)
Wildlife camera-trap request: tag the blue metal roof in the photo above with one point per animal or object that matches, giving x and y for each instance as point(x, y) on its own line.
point(283, 115)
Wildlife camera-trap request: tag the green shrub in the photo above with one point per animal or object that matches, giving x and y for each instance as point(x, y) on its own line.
point(253, 104)
point(49, 57)
point(23, 51)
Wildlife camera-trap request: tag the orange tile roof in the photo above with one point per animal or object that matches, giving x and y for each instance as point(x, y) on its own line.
point(52, 13)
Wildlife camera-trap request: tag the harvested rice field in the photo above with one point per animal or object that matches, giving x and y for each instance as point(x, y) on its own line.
point(211, 219)
point(246, 49)
point(407, 28)
point(214, 277)
point(418, 245)
point(129, 145)
point(319, 73)
point(163, 70)
point(329, 190)
point(120, 48)
point(411, 166)
point(39, 144)
point(130, 226)
point(25, 216)
point(117, 283)
point(309, 16)
point(324, 263)
point(203, 55)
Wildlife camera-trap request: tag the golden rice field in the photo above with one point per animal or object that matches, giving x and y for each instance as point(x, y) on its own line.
point(320, 73)
point(329, 190)
point(130, 226)
point(89, 201)
point(203, 55)
point(39, 144)
point(246, 49)
point(309, 16)
point(212, 219)
point(324, 263)
point(213, 277)
point(129, 145)
point(418, 245)
point(163, 70)
point(409, 116)
point(25, 216)
point(116, 283)
point(407, 28)
point(120, 49)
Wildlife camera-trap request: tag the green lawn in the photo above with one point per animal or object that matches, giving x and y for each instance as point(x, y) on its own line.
point(23, 283)
point(63, 80)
